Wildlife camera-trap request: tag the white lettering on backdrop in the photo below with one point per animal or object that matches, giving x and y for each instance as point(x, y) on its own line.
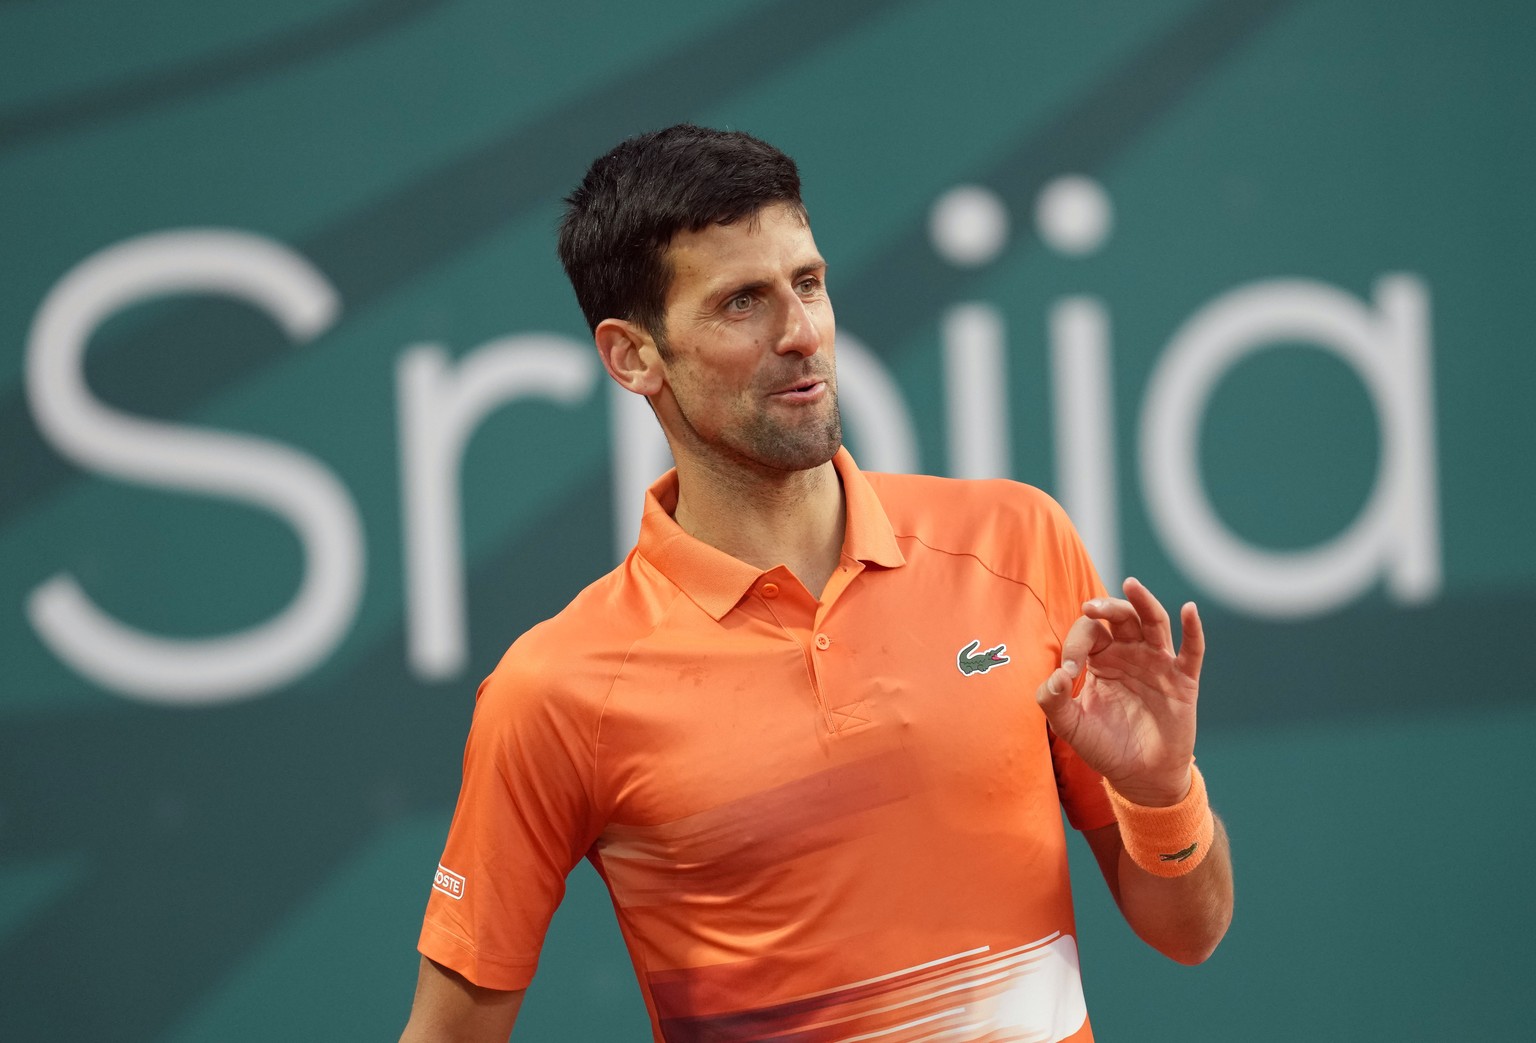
point(264, 474)
point(441, 403)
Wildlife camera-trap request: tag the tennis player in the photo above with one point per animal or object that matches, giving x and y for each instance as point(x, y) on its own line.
point(819, 731)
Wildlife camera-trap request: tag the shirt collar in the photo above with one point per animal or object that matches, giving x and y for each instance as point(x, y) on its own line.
point(715, 580)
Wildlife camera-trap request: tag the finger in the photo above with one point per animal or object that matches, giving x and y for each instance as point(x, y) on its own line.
point(1155, 625)
point(1121, 616)
point(1086, 637)
point(1192, 648)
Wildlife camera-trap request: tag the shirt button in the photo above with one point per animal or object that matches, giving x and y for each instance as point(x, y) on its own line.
point(769, 590)
point(823, 642)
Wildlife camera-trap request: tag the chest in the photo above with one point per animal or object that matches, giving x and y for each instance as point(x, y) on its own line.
point(911, 688)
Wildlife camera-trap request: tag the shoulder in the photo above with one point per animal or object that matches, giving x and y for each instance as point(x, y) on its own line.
point(564, 666)
point(1015, 531)
point(968, 514)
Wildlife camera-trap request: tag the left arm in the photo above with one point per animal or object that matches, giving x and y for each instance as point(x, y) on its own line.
point(1133, 721)
point(1182, 917)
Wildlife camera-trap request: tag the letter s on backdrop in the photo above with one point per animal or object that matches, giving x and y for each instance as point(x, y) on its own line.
point(264, 474)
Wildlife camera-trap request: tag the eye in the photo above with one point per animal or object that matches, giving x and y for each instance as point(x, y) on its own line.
point(740, 302)
point(810, 284)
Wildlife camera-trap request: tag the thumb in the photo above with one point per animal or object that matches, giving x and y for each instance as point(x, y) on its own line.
point(1084, 638)
point(1055, 697)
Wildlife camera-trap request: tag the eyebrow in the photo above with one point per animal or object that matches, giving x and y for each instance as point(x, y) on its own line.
point(809, 268)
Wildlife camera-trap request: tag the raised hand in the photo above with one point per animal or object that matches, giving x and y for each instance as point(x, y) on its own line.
point(1133, 720)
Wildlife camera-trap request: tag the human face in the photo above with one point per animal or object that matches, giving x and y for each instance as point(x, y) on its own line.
point(749, 355)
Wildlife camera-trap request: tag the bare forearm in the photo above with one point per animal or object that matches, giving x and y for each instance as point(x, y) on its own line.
point(1182, 917)
point(450, 1009)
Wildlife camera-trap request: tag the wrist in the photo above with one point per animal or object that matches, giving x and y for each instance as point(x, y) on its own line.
point(1166, 840)
point(1154, 791)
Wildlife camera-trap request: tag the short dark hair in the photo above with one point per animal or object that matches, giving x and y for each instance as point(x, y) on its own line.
point(621, 218)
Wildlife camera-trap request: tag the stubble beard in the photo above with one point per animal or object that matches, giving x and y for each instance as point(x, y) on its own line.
point(780, 446)
point(772, 445)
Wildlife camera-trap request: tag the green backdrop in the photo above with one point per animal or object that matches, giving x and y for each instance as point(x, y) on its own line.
point(1270, 341)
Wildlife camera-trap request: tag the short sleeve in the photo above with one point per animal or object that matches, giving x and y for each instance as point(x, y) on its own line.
point(522, 822)
point(1081, 789)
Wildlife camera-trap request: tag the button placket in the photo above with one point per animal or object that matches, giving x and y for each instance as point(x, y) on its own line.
point(793, 614)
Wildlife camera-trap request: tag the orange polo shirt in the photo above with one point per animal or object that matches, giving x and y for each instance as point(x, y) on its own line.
point(819, 820)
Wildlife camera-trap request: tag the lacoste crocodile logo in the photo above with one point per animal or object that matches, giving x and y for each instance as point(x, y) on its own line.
point(971, 661)
point(1179, 856)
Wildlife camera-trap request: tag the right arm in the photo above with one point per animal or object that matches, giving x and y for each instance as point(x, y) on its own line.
point(449, 1008)
point(522, 822)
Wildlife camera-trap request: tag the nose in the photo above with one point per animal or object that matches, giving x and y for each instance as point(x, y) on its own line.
point(801, 335)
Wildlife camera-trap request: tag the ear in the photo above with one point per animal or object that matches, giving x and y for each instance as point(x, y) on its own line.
point(629, 355)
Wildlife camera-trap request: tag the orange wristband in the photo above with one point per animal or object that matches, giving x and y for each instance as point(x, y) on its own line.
point(1168, 841)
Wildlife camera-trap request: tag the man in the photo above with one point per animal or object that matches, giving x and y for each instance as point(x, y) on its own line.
point(793, 730)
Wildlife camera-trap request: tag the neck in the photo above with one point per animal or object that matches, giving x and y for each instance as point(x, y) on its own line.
point(794, 519)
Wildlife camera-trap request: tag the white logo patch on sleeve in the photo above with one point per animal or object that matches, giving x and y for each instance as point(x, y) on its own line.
point(448, 882)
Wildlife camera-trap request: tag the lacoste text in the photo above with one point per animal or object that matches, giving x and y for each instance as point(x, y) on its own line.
point(448, 882)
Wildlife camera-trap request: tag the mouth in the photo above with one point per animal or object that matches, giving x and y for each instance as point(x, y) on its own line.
point(809, 389)
point(804, 386)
